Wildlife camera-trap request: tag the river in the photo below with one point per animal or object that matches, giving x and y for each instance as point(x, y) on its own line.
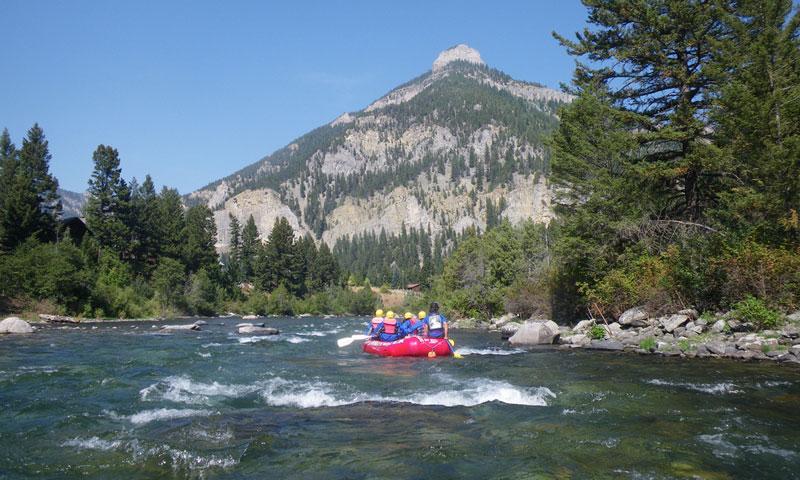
point(122, 400)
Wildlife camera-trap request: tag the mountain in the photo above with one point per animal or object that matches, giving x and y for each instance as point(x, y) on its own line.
point(460, 146)
point(72, 203)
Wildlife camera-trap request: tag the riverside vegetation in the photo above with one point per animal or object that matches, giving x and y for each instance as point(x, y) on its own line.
point(676, 173)
point(144, 254)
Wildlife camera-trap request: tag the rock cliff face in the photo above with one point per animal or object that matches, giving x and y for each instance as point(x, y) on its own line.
point(441, 153)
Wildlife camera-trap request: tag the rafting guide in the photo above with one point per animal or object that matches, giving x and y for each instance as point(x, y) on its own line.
point(416, 336)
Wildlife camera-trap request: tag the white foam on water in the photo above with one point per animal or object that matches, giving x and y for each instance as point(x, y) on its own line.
point(285, 393)
point(281, 392)
point(182, 389)
point(148, 416)
point(320, 333)
point(204, 355)
point(721, 447)
point(487, 351)
point(480, 391)
point(209, 345)
point(93, 443)
point(272, 338)
point(177, 458)
point(773, 384)
point(713, 388)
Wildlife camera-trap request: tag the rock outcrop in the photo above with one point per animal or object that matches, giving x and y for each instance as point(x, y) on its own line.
point(436, 150)
point(687, 334)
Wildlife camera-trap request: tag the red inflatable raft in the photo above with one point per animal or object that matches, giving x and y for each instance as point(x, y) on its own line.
point(412, 346)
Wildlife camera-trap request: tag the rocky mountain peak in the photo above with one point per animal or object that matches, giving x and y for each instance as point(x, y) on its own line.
point(461, 52)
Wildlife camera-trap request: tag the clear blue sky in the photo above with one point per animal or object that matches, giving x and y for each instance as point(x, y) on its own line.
point(190, 91)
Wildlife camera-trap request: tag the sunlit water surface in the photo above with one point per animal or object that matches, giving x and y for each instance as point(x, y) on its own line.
point(125, 401)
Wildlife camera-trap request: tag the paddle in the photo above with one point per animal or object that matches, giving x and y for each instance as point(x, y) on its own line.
point(343, 342)
point(451, 343)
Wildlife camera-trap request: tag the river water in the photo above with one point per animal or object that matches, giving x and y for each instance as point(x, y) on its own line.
point(125, 401)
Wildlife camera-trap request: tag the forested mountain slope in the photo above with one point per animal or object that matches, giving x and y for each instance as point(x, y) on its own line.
point(460, 146)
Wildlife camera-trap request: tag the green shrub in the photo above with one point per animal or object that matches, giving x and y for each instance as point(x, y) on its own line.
point(755, 270)
point(648, 344)
point(281, 301)
point(754, 310)
point(597, 332)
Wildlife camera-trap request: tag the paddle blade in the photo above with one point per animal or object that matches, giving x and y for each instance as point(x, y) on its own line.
point(343, 342)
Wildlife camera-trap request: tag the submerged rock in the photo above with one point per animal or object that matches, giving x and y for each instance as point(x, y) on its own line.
point(248, 324)
point(192, 326)
point(536, 333)
point(15, 325)
point(255, 330)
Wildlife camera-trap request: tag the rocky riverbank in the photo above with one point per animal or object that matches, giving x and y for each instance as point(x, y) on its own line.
point(684, 333)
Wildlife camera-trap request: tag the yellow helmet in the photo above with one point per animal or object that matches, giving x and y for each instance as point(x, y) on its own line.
point(408, 315)
point(421, 315)
point(390, 314)
point(379, 313)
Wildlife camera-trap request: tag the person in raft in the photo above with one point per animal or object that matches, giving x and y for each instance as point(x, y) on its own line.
point(435, 323)
point(372, 328)
point(389, 329)
point(412, 324)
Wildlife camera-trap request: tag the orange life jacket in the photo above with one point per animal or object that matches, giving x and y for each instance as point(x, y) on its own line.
point(390, 326)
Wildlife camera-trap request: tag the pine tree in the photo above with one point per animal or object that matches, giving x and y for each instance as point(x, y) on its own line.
point(758, 117)
point(108, 208)
point(144, 225)
point(8, 167)
point(280, 263)
point(250, 249)
point(652, 60)
point(31, 205)
point(200, 235)
point(235, 254)
point(171, 223)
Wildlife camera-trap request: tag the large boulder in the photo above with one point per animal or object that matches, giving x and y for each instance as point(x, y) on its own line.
point(613, 329)
point(15, 325)
point(794, 317)
point(583, 326)
point(634, 317)
point(509, 329)
point(539, 332)
point(719, 326)
point(672, 322)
